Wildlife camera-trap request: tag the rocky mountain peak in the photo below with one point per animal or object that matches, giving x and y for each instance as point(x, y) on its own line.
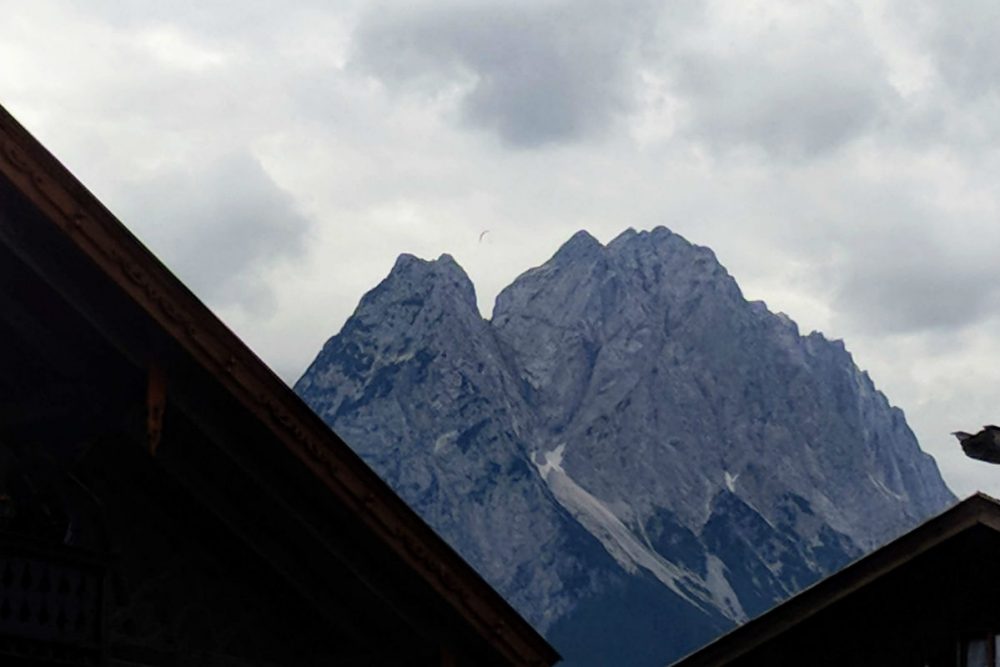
point(579, 246)
point(594, 310)
point(437, 281)
point(627, 433)
point(668, 264)
point(659, 235)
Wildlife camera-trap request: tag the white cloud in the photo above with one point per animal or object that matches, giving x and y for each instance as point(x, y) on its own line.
point(220, 225)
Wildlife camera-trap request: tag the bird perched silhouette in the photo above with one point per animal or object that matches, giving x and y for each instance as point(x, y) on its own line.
point(984, 445)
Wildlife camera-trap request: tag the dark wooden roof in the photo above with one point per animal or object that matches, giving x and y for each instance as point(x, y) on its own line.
point(75, 242)
point(972, 516)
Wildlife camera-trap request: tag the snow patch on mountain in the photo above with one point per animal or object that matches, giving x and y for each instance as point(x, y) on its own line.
point(730, 480)
point(627, 549)
point(722, 591)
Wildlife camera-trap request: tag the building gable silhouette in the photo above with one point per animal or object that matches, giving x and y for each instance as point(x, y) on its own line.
point(165, 499)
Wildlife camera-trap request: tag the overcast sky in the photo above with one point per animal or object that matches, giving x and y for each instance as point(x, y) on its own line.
point(841, 158)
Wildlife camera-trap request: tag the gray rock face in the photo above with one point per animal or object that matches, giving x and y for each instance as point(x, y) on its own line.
point(416, 384)
point(630, 452)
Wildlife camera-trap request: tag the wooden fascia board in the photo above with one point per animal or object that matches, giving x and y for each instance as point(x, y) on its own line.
point(95, 231)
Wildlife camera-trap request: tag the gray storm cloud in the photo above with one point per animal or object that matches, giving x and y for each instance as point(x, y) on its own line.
point(534, 74)
point(559, 72)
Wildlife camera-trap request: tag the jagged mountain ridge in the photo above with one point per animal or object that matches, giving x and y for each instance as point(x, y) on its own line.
point(629, 451)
